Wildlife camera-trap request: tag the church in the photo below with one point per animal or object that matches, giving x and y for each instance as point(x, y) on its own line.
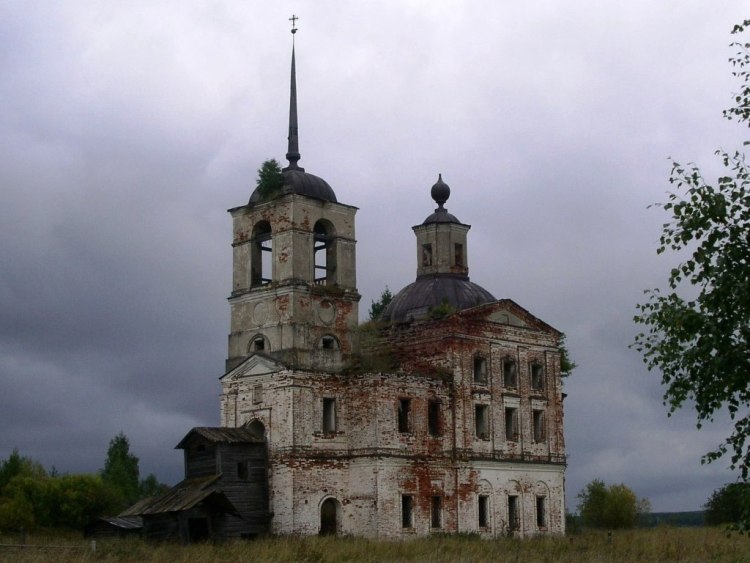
point(445, 415)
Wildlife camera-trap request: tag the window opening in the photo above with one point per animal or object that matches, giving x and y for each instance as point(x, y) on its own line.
point(328, 343)
point(258, 394)
point(426, 255)
point(538, 420)
point(404, 415)
point(480, 369)
point(433, 418)
point(541, 517)
point(242, 470)
point(407, 512)
point(259, 344)
point(436, 512)
point(509, 373)
point(261, 260)
point(511, 424)
point(484, 511)
point(513, 516)
point(459, 254)
point(324, 254)
point(329, 416)
point(481, 421)
point(537, 377)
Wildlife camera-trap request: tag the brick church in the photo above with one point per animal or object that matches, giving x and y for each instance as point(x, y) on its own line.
point(443, 416)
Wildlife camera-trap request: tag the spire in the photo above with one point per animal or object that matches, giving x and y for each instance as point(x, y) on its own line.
point(292, 154)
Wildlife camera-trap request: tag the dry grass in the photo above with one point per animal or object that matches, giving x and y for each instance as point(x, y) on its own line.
point(657, 544)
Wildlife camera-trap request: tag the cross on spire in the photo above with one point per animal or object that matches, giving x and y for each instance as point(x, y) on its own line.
point(292, 154)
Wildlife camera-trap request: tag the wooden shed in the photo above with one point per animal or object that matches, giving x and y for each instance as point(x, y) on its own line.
point(224, 493)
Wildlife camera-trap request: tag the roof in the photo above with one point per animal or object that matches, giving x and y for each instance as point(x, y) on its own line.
point(135, 510)
point(417, 299)
point(185, 495)
point(441, 215)
point(123, 523)
point(222, 435)
point(297, 181)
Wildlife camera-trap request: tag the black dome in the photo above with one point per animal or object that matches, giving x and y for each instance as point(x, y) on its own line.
point(441, 215)
point(416, 299)
point(297, 181)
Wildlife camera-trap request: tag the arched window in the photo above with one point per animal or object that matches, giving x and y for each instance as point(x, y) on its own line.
point(258, 343)
point(329, 342)
point(261, 260)
point(324, 251)
point(256, 427)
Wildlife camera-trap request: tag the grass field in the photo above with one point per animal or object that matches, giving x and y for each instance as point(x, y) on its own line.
point(655, 544)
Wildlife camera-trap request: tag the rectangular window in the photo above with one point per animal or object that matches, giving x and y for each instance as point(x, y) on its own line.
point(538, 421)
point(541, 516)
point(404, 415)
point(511, 424)
point(329, 416)
point(537, 377)
point(513, 514)
point(258, 394)
point(426, 255)
point(433, 418)
point(484, 511)
point(241, 470)
point(407, 511)
point(459, 254)
point(480, 369)
point(510, 378)
point(436, 512)
point(482, 421)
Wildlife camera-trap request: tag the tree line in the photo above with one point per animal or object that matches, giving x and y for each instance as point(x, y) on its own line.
point(32, 497)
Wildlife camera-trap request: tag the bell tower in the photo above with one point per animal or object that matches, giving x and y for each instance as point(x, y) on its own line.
point(294, 288)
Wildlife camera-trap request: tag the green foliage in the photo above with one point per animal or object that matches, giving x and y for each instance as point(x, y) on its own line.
point(442, 310)
point(121, 471)
point(701, 344)
point(612, 507)
point(151, 487)
point(377, 307)
point(566, 364)
point(30, 498)
point(729, 504)
point(270, 179)
point(15, 465)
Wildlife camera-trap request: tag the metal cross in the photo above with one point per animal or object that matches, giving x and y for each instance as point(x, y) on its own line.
point(294, 19)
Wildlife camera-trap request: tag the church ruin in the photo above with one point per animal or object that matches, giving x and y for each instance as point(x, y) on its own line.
point(444, 416)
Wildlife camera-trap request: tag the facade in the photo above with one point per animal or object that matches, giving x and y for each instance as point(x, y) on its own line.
point(444, 416)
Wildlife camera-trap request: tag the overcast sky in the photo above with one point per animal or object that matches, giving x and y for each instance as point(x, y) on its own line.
point(127, 129)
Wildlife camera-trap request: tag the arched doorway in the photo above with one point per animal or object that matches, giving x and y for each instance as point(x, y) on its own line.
point(329, 517)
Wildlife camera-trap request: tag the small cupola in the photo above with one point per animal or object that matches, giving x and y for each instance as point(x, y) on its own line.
point(442, 266)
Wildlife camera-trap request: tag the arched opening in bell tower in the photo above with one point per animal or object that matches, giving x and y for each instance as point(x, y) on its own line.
point(324, 253)
point(261, 261)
